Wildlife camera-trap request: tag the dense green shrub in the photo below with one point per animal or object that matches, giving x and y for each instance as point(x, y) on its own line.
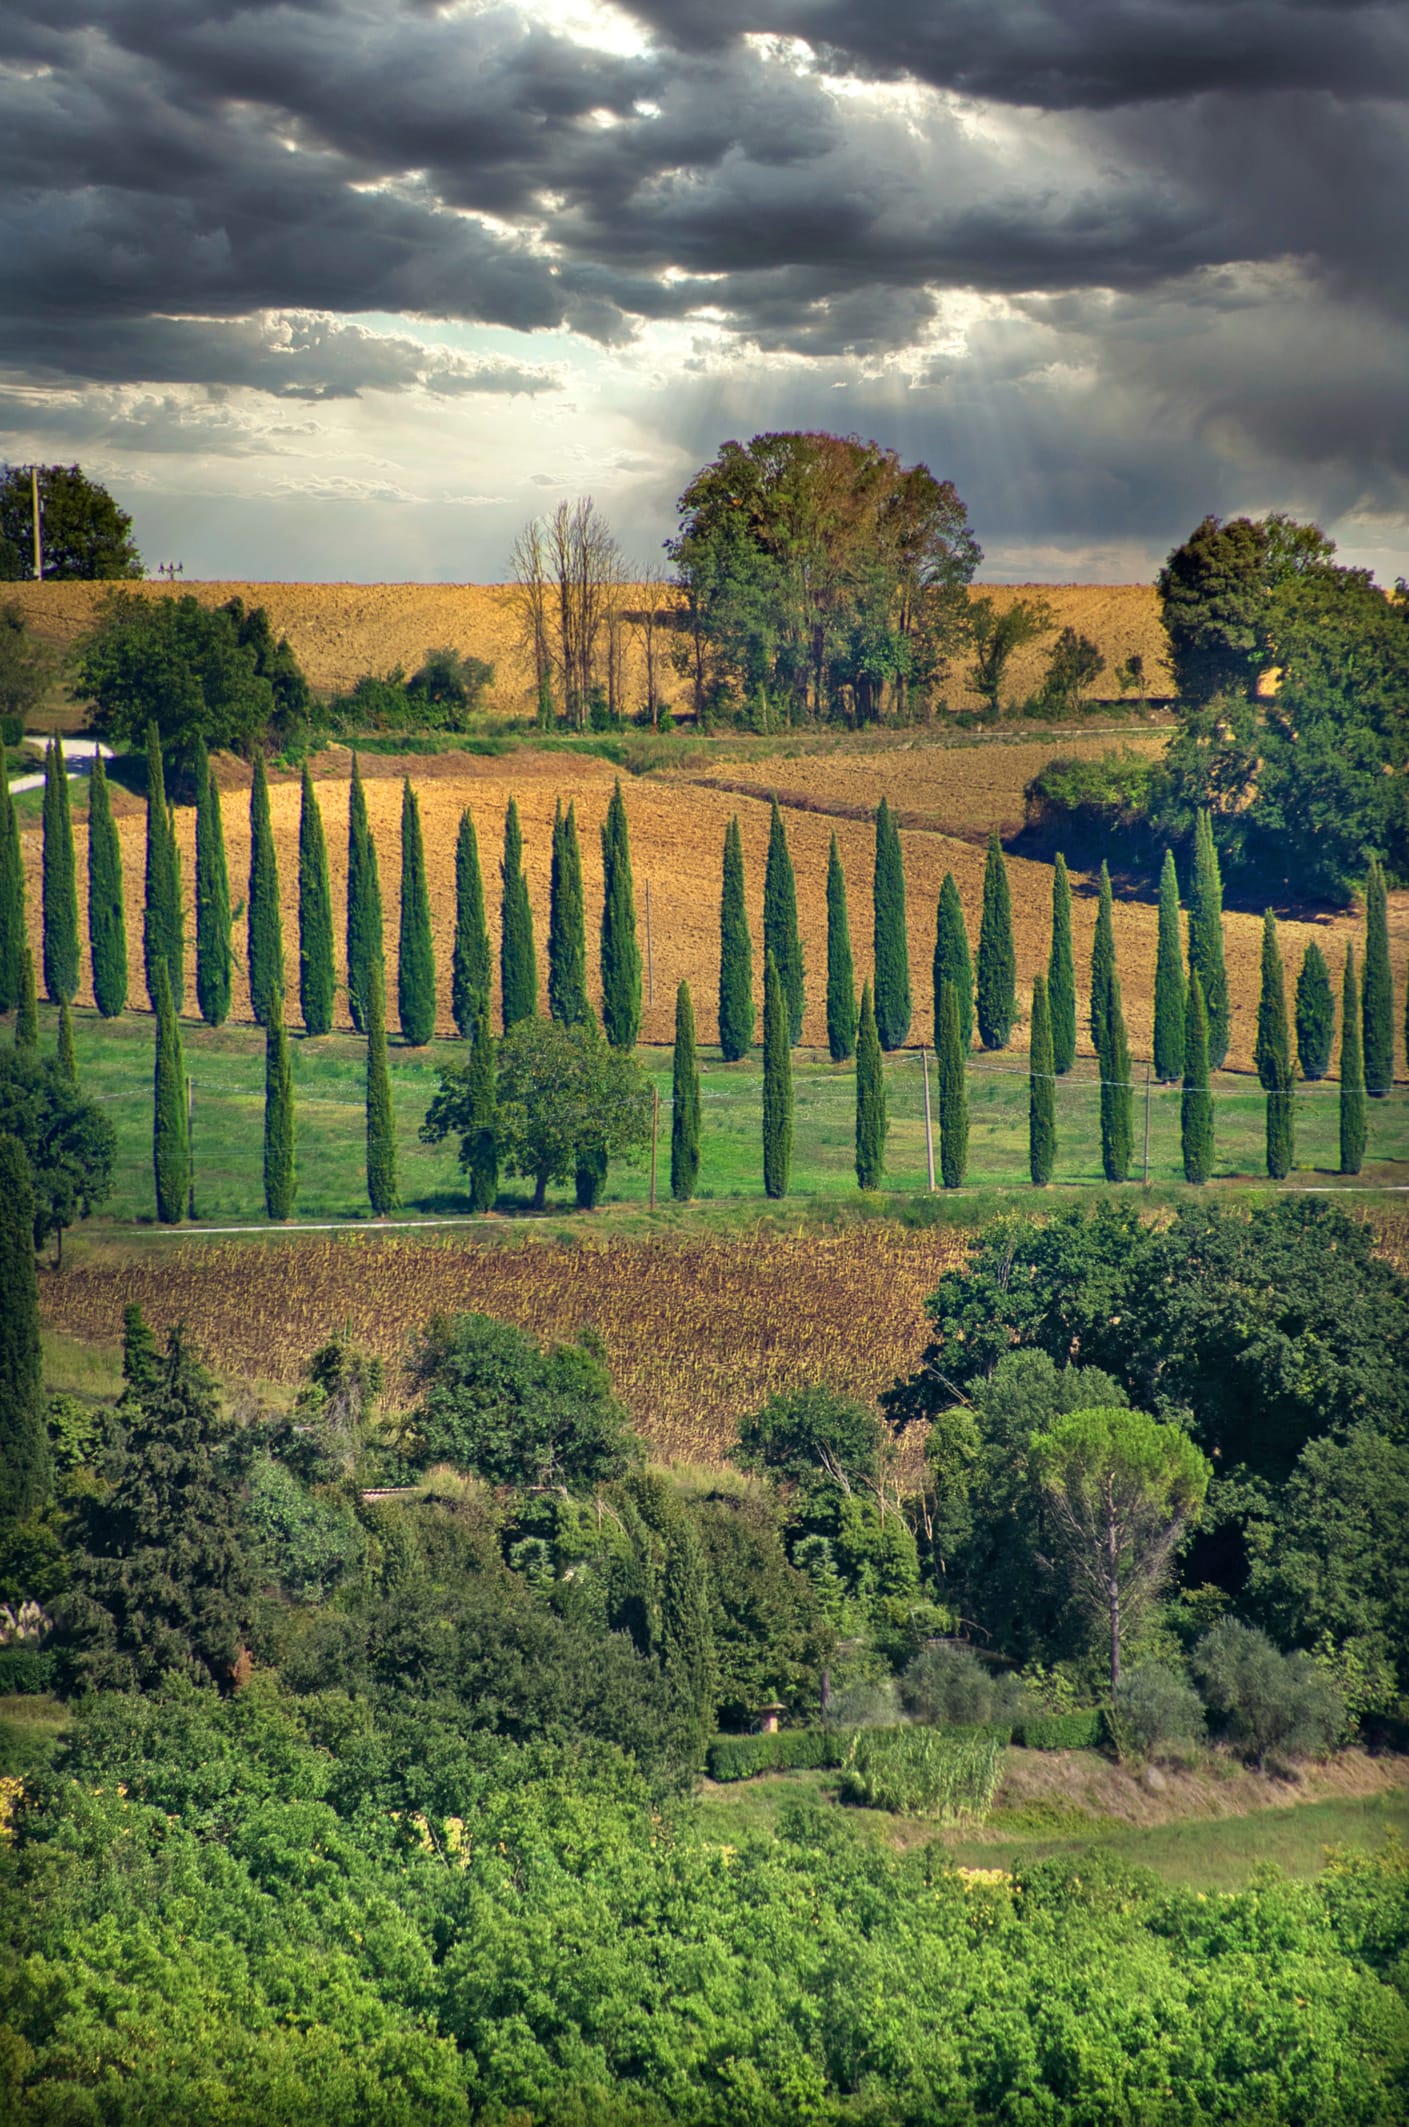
point(1085, 1730)
point(1154, 1705)
point(1265, 1701)
point(948, 1686)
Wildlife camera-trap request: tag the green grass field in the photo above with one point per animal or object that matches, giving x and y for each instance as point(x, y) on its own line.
point(226, 1068)
point(1206, 1854)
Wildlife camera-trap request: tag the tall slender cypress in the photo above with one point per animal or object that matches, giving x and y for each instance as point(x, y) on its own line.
point(107, 920)
point(1061, 973)
point(382, 1191)
point(24, 1433)
point(685, 1102)
point(781, 936)
point(735, 953)
point(471, 967)
point(1196, 1101)
point(953, 962)
point(1206, 939)
point(952, 1075)
point(1377, 987)
point(67, 1061)
point(365, 950)
point(567, 925)
point(1315, 1014)
point(621, 956)
point(841, 972)
point(997, 958)
point(1102, 962)
point(1352, 1071)
point(890, 940)
point(1117, 1129)
point(317, 982)
point(871, 1121)
point(213, 950)
point(162, 916)
point(60, 882)
point(518, 962)
point(1041, 1090)
point(171, 1141)
point(777, 1082)
point(280, 1173)
point(1273, 1055)
point(415, 954)
point(481, 1146)
point(27, 1013)
point(12, 924)
point(266, 928)
point(1169, 979)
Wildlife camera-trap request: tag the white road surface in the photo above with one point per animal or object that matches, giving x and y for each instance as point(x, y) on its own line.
point(78, 756)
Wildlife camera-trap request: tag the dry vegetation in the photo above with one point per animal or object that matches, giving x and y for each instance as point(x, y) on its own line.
point(677, 831)
point(341, 630)
point(697, 1332)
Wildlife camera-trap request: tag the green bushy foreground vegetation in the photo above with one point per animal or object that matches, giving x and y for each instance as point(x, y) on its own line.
point(351, 1751)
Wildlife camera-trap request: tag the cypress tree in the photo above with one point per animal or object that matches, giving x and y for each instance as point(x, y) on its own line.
point(735, 953)
point(1273, 1055)
point(1117, 1133)
point(781, 937)
point(1169, 979)
point(60, 882)
point(685, 1102)
point(841, 973)
point(171, 1142)
point(1196, 1101)
point(590, 1175)
point(1206, 939)
point(777, 1083)
point(266, 929)
point(213, 952)
point(687, 1651)
point(1377, 988)
point(621, 957)
point(12, 925)
point(482, 1138)
point(365, 949)
point(567, 926)
point(870, 1099)
point(68, 1062)
point(24, 1433)
point(1315, 1014)
point(470, 975)
point(1352, 1104)
point(1042, 1090)
point(316, 980)
point(518, 962)
point(1061, 973)
point(1102, 963)
point(953, 1094)
point(162, 916)
point(381, 1124)
point(997, 959)
point(107, 924)
point(891, 943)
point(415, 955)
point(27, 1016)
point(953, 962)
point(280, 1176)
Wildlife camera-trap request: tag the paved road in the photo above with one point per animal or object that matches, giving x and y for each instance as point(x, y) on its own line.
point(78, 753)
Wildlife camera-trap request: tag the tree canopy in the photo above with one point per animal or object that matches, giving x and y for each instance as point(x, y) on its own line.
point(69, 1139)
point(84, 533)
point(195, 671)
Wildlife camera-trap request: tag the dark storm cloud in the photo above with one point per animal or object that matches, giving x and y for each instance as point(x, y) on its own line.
point(1076, 54)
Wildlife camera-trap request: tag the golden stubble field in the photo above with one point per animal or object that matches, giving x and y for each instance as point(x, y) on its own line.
point(677, 831)
point(697, 1333)
point(341, 630)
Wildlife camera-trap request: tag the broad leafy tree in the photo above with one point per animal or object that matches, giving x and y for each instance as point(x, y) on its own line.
point(85, 536)
point(69, 1140)
point(493, 1400)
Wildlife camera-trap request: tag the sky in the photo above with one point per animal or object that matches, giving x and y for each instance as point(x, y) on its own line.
point(352, 289)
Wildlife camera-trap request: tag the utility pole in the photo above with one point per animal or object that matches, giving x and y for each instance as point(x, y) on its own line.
point(38, 536)
point(1147, 1125)
point(929, 1128)
point(655, 1125)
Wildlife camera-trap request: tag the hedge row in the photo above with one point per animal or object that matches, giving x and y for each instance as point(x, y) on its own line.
point(1062, 1731)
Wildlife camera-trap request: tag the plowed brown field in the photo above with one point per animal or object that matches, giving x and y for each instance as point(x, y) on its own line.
point(341, 630)
point(677, 831)
point(697, 1333)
